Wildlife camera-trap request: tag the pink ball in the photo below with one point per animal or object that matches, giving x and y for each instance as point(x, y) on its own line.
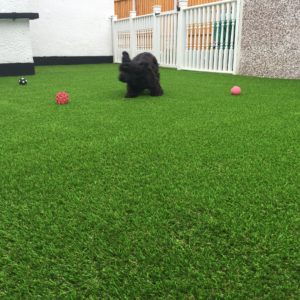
point(62, 98)
point(236, 90)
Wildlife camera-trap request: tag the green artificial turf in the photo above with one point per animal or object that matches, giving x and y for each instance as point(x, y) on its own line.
point(193, 195)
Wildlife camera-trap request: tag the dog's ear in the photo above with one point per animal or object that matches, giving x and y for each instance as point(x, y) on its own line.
point(125, 57)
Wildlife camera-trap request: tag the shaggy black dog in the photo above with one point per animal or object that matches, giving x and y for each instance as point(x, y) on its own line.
point(140, 73)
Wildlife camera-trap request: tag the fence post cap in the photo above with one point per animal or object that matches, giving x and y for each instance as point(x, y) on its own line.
point(157, 9)
point(132, 14)
point(182, 3)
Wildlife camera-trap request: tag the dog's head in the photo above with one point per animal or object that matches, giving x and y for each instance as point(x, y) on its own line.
point(131, 71)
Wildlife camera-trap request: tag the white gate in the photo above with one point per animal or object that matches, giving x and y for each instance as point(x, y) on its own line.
point(167, 31)
point(142, 34)
point(122, 38)
point(200, 38)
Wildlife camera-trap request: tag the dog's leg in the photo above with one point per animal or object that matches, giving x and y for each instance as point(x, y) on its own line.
point(155, 88)
point(156, 92)
point(131, 92)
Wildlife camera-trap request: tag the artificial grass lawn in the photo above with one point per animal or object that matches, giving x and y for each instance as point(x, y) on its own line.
point(194, 195)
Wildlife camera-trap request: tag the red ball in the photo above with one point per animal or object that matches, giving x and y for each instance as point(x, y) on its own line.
point(62, 98)
point(236, 90)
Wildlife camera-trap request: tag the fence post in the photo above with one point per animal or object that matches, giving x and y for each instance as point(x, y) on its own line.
point(132, 33)
point(181, 33)
point(175, 5)
point(156, 31)
point(238, 35)
point(114, 38)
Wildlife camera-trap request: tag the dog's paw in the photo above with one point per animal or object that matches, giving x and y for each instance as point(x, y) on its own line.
point(156, 93)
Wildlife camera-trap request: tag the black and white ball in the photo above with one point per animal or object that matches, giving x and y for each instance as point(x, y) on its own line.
point(22, 81)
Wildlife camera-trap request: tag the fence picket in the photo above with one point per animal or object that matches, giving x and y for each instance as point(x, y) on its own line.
point(211, 45)
point(195, 39)
point(199, 20)
point(203, 40)
point(227, 22)
point(221, 50)
point(174, 40)
point(187, 28)
point(207, 31)
point(216, 42)
point(231, 45)
point(191, 30)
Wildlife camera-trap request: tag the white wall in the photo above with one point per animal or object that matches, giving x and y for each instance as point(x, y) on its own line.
point(15, 43)
point(72, 27)
point(14, 6)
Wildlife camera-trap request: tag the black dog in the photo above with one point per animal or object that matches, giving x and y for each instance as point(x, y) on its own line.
point(140, 73)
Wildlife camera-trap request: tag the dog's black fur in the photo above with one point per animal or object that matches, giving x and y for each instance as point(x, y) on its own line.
point(140, 73)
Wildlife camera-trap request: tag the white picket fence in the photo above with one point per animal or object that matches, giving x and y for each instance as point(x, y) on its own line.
point(200, 38)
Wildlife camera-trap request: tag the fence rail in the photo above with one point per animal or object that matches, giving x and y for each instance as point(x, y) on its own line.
point(201, 38)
